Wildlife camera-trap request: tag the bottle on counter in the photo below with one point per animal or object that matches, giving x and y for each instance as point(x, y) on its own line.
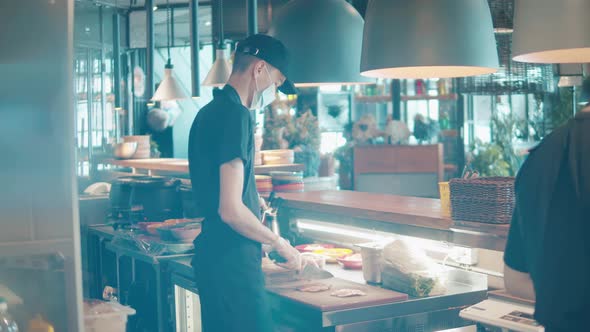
point(7, 324)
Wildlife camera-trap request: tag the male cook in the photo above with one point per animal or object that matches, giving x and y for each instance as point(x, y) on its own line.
point(548, 251)
point(227, 263)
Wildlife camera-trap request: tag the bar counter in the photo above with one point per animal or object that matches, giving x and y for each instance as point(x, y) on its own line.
point(405, 215)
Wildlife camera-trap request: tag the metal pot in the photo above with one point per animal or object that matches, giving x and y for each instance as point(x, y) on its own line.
point(157, 198)
point(372, 254)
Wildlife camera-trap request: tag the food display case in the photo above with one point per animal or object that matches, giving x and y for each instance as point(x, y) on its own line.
point(346, 219)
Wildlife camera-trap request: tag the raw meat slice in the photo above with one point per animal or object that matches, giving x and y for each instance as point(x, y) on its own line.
point(314, 288)
point(348, 292)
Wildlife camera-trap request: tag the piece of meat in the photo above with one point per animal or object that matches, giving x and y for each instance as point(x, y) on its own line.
point(348, 292)
point(314, 288)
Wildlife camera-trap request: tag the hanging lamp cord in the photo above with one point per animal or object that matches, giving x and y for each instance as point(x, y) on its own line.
point(220, 25)
point(168, 23)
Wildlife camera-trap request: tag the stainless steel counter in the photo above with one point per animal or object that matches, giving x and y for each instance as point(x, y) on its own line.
point(436, 313)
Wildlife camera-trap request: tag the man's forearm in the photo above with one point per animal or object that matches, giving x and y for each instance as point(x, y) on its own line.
point(243, 221)
point(518, 283)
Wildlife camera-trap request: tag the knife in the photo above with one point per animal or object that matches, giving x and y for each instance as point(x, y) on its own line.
point(309, 272)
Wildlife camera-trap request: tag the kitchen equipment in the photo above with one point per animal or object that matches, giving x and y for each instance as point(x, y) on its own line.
point(371, 254)
point(102, 316)
point(145, 226)
point(313, 272)
point(277, 157)
point(287, 181)
point(310, 271)
point(98, 189)
point(189, 206)
point(186, 233)
point(351, 262)
point(120, 194)
point(143, 150)
point(124, 150)
point(502, 311)
point(152, 198)
point(332, 254)
point(324, 302)
point(313, 246)
point(263, 184)
point(312, 258)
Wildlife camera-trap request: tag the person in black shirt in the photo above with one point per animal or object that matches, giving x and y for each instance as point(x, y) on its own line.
point(547, 256)
point(228, 254)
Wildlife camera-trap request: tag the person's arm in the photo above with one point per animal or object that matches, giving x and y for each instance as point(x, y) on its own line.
point(233, 211)
point(517, 280)
point(518, 283)
point(237, 215)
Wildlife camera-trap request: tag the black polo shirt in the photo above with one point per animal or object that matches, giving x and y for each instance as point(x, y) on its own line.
point(549, 236)
point(222, 131)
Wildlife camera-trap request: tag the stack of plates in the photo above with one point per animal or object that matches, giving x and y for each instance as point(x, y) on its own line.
point(277, 157)
point(287, 181)
point(263, 184)
point(143, 146)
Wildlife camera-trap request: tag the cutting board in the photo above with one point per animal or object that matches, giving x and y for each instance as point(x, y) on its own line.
point(323, 301)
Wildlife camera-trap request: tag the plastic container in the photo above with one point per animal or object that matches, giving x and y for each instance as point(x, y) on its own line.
point(7, 324)
point(100, 316)
point(371, 254)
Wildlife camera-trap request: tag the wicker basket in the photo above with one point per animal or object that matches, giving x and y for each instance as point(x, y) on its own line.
point(487, 200)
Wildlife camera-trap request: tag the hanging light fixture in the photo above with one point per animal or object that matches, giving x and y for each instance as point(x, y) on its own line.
point(169, 89)
point(548, 31)
point(221, 69)
point(324, 40)
point(502, 15)
point(428, 39)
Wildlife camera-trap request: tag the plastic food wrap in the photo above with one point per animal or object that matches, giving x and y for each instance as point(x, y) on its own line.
point(409, 270)
point(150, 245)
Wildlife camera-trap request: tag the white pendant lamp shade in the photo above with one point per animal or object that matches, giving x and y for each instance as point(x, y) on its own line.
point(428, 39)
point(220, 71)
point(549, 31)
point(169, 89)
point(324, 41)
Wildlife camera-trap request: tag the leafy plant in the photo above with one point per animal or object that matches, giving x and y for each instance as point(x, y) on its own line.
point(488, 159)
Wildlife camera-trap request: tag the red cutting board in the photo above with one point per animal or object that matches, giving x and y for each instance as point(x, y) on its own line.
point(323, 301)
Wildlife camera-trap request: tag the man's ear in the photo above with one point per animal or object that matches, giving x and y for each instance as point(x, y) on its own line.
point(258, 67)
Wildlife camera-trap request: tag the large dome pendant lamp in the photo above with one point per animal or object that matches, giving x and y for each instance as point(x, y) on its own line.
point(428, 39)
point(169, 89)
point(324, 40)
point(549, 31)
point(221, 69)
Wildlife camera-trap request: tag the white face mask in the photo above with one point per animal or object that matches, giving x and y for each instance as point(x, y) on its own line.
point(261, 99)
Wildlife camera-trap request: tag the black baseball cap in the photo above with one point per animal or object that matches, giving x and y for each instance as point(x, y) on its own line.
point(273, 52)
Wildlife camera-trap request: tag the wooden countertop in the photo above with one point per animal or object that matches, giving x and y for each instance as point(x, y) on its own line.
point(424, 212)
point(178, 165)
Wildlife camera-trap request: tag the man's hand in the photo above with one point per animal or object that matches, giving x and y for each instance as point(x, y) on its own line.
point(262, 203)
point(290, 254)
